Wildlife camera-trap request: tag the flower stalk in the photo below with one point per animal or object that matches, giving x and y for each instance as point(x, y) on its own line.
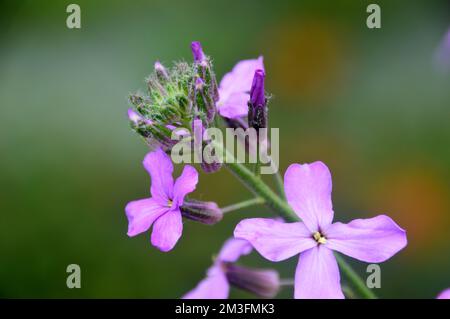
point(244, 204)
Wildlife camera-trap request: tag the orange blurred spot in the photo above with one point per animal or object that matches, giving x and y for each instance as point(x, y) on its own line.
point(418, 200)
point(305, 57)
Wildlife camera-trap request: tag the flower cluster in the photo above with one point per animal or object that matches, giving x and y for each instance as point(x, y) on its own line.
point(188, 93)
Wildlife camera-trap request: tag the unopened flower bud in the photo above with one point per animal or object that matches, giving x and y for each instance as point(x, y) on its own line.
point(204, 212)
point(257, 109)
point(261, 282)
point(134, 117)
point(197, 52)
point(161, 71)
point(199, 84)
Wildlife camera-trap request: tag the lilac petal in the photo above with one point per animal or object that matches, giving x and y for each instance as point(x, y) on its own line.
point(275, 240)
point(167, 230)
point(214, 286)
point(234, 106)
point(444, 294)
point(235, 87)
point(371, 240)
point(233, 249)
point(308, 191)
point(184, 185)
point(160, 168)
point(141, 214)
point(317, 275)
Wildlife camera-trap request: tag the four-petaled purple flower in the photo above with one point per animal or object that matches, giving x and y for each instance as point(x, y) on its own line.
point(234, 89)
point(308, 191)
point(162, 210)
point(224, 272)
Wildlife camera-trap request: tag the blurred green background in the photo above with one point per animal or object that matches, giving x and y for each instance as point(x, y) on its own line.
point(369, 103)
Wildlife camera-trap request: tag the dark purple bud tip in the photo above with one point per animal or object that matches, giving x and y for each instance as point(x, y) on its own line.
point(197, 51)
point(203, 212)
point(261, 282)
point(257, 96)
point(211, 167)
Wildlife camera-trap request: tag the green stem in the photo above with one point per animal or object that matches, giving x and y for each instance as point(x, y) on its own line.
point(244, 204)
point(259, 188)
point(279, 184)
point(353, 277)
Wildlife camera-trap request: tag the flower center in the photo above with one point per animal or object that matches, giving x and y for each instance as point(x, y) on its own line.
point(318, 237)
point(169, 203)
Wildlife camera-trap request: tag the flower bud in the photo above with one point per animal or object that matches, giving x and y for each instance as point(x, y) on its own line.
point(203, 212)
point(197, 52)
point(257, 109)
point(261, 282)
point(210, 164)
point(161, 72)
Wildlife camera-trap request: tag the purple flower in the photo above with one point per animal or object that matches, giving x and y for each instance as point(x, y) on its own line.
point(224, 272)
point(235, 86)
point(162, 210)
point(442, 55)
point(308, 191)
point(444, 294)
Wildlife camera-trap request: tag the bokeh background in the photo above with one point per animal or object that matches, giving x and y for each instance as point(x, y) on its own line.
point(371, 104)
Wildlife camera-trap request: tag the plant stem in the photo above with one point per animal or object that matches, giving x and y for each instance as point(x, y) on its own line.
point(287, 282)
point(244, 204)
point(279, 184)
point(353, 277)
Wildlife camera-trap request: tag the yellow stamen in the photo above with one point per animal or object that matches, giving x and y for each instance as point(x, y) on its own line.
point(169, 203)
point(318, 237)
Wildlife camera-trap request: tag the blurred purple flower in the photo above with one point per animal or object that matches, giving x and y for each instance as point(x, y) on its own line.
point(235, 87)
point(224, 272)
point(308, 191)
point(443, 53)
point(444, 294)
point(162, 210)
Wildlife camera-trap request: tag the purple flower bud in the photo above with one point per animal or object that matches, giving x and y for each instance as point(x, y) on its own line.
point(197, 51)
point(262, 282)
point(133, 116)
point(199, 84)
point(257, 96)
point(257, 109)
point(161, 71)
point(203, 212)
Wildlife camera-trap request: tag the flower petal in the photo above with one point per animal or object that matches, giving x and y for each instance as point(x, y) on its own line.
point(308, 191)
point(233, 249)
point(241, 76)
point(234, 105)
point(160, 168)
point(141, 214)
point(273, 239)
point(317, 275)
point(239, 80)
point(371, 240)
point(184, 185)
point(167, 230)
point(444, 294)
point(214, 286)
